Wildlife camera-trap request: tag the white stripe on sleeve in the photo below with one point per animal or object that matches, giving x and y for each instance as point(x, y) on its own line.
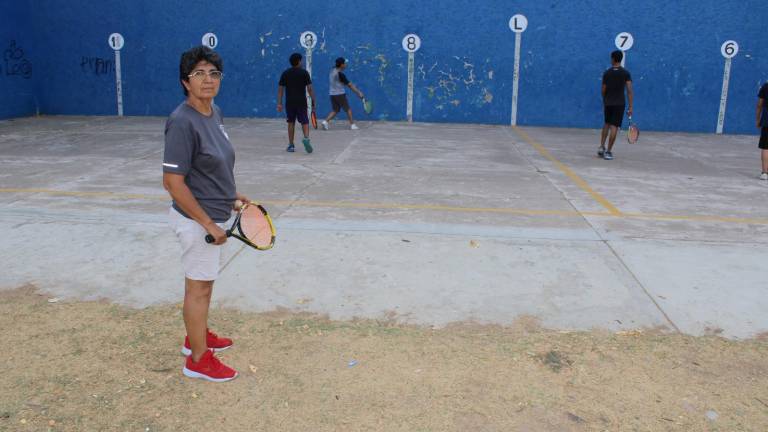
point(170, 165)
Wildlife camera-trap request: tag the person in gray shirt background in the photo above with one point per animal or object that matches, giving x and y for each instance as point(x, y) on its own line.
point(198, 173)
point(337, 83)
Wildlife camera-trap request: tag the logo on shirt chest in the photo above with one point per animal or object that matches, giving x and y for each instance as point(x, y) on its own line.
point(221, 126)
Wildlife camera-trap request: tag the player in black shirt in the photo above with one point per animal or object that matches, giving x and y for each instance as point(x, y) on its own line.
point(615, 80)
point(295, 81)
point(762, 124)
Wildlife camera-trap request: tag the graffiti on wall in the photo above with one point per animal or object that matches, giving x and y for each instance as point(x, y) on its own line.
point(15, 63)
point(97, 66)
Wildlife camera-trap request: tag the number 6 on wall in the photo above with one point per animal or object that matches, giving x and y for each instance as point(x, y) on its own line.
point(729, 49)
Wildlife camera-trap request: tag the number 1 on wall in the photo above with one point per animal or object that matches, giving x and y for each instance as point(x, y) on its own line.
point(116, 42)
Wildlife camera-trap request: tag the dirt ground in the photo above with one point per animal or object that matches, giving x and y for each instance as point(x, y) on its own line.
point(94, 366)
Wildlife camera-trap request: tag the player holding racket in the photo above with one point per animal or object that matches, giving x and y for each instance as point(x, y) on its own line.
point(615, 80)
point(198, 173)
point(295, 81)
point(762, 124)
point(337, 83)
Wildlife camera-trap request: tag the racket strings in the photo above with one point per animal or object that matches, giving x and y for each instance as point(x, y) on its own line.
point(633, 133)
point(255, 226)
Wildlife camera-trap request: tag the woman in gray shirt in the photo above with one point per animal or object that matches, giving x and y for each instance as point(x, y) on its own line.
point(198, 173)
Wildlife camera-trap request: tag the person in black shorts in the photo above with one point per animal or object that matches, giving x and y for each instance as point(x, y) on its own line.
point(615, 80)
point(296, 83)
point(762, 124)
point(337, 84)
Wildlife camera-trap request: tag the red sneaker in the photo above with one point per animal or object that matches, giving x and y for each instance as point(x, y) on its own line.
point(212, 340)
point(209, 368)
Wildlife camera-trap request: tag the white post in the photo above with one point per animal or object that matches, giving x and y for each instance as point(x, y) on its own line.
point(308, 40)
point(119, 81)
point(724, 96)
point(116, 42)
point(411, 44)
point(409, 103)
point(309, 70)
point(516, 78)
point(518, 23)
point(729, 49)
point(624, 42)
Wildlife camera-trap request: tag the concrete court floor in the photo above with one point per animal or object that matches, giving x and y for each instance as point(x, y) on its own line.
point(421, 223)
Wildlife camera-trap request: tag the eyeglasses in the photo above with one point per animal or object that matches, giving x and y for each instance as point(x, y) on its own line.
point(200, 74)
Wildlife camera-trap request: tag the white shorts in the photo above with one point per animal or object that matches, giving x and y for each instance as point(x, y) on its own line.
point(201, 260)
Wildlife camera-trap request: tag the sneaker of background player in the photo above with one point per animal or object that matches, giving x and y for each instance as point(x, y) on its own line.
point(600, 151)
point(290, 148)
point(209, 368)
point(353, 127)
point(212, 340)
point(307, 145)
point(764, 176)
point(608, 156)
point(325, 125)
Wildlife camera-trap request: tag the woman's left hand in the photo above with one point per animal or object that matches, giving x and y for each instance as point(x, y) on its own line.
point(243, 200)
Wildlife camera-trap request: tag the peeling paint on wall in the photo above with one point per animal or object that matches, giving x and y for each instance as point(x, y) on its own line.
point(458, 78)
point(487, 96)
point(383, 65)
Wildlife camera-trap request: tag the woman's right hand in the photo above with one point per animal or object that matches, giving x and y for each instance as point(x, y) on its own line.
point(219, 235)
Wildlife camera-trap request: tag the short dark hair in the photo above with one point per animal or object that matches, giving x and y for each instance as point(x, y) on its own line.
point(190, 59)
point(295, 59)
point(340, 61)
point(617, 56)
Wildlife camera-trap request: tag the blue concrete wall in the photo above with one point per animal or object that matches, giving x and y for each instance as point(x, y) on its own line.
point(17, 67)
point(463, 70)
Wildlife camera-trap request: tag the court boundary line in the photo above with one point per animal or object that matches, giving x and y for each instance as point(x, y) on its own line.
point(400, 206)
point(565, 169)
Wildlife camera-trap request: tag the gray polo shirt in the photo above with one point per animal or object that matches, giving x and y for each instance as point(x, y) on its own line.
point(336, 82)
point(197, 147)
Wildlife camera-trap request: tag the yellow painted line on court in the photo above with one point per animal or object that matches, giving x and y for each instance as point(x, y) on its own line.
point(580, 182)
point(697, 218)
point(107, 194)
point(396, 206)
point(327, 204)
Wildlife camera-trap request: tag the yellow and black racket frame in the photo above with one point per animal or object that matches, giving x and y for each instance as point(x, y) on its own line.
point(236, 230)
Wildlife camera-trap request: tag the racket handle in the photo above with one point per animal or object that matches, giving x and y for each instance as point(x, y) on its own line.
point(209, 238)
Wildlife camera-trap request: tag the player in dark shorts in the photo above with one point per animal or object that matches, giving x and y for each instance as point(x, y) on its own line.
point(762, 124)
point(615, 80)
point(296, 83)
point(337, 82)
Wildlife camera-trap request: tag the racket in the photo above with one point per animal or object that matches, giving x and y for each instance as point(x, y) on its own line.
point(367, 106)
point(314, 119)
point(252, 226)
point(633, 132)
